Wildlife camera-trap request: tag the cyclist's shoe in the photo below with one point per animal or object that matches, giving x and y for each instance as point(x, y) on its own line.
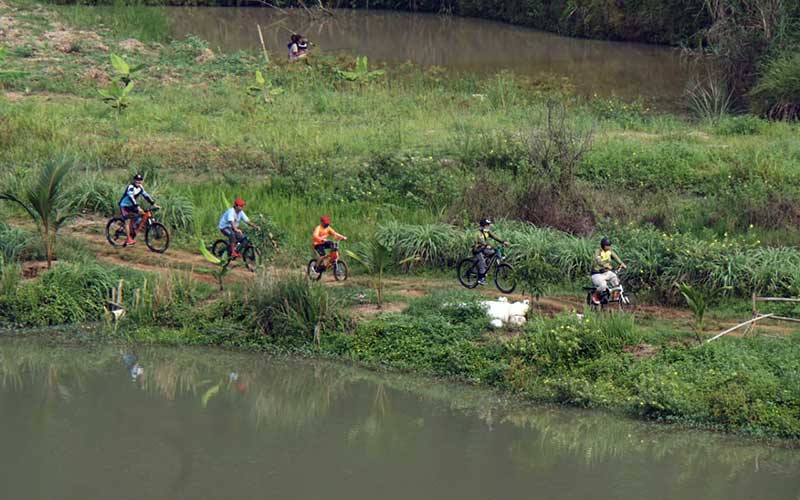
point(235, 254)
point(319, 268)
point(595, 298)
point(482, 281)
point(130, 242)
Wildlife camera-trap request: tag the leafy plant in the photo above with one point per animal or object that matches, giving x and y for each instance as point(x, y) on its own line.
point(697, 304)
point(123, 69)
point(264, 90)
point(361, 73)
point(222, 265)
point(116, 94)
point(44, 203)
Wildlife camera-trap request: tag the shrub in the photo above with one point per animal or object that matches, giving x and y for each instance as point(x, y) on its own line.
point(15, 243)
point(777, 92)
point(739, 125)
point(68, 293)
point(292, 307)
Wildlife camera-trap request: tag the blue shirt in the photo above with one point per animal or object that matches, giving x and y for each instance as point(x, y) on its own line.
point(230, 216)
point(132, 192)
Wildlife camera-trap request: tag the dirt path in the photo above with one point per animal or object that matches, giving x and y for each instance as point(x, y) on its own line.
point(91, 232)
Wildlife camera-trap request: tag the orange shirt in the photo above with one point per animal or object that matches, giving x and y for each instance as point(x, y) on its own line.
point(321, 235)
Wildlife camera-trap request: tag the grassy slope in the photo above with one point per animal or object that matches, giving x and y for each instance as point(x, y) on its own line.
point(193, 128)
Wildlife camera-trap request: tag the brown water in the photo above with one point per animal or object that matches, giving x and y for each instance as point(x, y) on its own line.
point(119, 423)
point(464, 44)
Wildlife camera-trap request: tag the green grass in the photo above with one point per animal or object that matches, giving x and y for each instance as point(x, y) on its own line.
point(121, 19)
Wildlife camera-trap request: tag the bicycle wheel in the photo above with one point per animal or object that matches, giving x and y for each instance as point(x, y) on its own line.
point(340, 272)
point(468, 273)
point(504, 278)
point(220, 249)
point(251, 257)
point(115, 232)
point(156, 237)
point(311, 269)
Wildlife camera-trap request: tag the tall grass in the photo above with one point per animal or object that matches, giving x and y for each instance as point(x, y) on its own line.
point(656, 261)
point(123, 19)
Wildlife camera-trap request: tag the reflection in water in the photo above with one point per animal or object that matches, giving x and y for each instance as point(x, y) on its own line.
point(463, 44)
point(211, 424)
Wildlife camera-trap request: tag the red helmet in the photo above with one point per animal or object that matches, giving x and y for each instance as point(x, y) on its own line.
point(238, 202)
point(325, 219)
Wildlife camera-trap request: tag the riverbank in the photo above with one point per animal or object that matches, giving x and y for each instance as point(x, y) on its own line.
point(410, 157)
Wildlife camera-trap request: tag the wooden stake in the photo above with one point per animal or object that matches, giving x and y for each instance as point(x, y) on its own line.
point(729, 330)
point(263, 45)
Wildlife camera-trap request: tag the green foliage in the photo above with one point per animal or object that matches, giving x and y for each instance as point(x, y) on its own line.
point(777, 92)
point(292, 308)
point(116, 94)
point(263, 89)
point(15, 243)
point(361, 74)
point(739, 125)
point(68, 293)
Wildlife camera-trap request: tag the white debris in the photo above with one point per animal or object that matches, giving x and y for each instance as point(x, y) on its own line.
point(502, 312)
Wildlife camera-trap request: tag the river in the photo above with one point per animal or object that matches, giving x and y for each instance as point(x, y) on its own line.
point(621, 69)
point(158, 423)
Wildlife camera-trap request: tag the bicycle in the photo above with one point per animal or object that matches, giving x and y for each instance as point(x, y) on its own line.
point(156, 235)
point(504, 278)
point(251, 256)
point(612, 295)
point(330, 260)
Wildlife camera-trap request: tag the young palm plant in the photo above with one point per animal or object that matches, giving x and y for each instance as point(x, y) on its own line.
point(697, 304)
point(44, 203)
point(376, 259)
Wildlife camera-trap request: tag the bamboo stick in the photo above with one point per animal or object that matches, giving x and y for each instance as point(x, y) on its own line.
point(784, 318)
point(749, 321)
point(776, 299)
point(263, 45)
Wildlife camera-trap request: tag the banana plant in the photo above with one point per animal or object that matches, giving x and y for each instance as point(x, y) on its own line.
point(264, 89)
point(117, 95)
point(362, 74)
point(221, 265)
point(123, 69)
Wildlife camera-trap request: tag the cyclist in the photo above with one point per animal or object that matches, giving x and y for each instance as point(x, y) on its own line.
point(129, 205)
point(229, 224)
point(482, 249)
point(603, 269)
point(319, 239)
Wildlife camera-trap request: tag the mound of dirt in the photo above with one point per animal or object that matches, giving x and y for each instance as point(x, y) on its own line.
point(98, 75)
point(66, 40)
point(132, 45)
point(9, 33)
